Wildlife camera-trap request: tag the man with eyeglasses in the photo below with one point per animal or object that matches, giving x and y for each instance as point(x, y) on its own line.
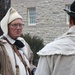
point(14, 50)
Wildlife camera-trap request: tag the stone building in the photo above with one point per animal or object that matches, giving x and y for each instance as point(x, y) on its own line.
point(43, 18)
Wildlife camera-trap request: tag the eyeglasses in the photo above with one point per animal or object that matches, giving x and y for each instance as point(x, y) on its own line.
point(16, 25)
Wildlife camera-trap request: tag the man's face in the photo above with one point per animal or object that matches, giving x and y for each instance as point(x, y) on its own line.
point(15, 28)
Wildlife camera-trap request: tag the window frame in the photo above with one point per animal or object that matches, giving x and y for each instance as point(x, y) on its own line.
point(31, 24)
point(67, 6)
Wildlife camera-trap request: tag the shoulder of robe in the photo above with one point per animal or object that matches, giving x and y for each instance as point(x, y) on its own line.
point(2, 42)
point(63, 46)
point(22, 40)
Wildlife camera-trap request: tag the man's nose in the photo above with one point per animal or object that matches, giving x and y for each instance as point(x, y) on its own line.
point(19, 26)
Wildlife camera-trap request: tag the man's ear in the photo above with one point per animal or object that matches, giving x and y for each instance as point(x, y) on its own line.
point(71, 21)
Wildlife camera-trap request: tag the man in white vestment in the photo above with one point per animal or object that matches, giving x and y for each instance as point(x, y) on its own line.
point(14, 50)
point(58, 57)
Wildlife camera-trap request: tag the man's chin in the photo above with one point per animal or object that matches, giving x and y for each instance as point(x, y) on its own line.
point(16, 36)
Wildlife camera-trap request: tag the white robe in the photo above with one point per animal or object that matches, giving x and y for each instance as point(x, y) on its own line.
point(14, 59)
point(58, 57)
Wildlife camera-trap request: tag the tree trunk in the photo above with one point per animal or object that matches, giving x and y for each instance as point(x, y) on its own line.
point(4, 6)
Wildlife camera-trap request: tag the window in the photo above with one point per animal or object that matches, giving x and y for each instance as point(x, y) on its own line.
point(32, 16)
point(67, 16)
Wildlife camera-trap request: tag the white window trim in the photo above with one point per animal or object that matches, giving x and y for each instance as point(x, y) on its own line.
point(67, 16)
point(30, 24)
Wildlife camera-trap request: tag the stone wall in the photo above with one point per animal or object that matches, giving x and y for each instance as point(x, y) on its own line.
point(50, 18)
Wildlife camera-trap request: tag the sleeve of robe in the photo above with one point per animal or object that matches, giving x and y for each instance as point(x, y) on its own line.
point(5, 65)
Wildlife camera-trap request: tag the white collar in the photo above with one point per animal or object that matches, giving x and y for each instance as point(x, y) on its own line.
point(10, 39)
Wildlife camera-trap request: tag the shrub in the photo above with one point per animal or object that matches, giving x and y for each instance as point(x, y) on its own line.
point(35, 44)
